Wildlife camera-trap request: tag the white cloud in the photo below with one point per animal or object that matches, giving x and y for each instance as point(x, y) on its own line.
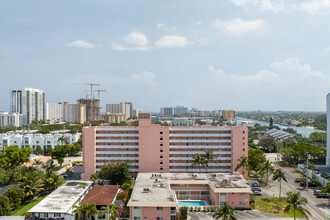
point(82, 44)
point(287, 84)
point(166, 27)
point(238, 26)
point(320, 7)
point(133, 41)
point(328, 49)
point(171, 41)
point(148, 77)
point(199, 22)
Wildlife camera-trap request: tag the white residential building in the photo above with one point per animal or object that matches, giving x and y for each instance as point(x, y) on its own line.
point(183, 122)
point(30, 103)
point(14, 119)
point(35, 139)
point(55, 113)
point(60, 203)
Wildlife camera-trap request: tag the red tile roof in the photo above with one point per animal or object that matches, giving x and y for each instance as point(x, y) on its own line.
point(101, 195)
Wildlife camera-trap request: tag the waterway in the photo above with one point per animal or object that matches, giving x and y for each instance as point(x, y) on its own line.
point(304, 131)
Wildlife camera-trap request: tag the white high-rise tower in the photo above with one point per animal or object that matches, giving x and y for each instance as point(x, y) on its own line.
point(29, 102)
point(328, 131)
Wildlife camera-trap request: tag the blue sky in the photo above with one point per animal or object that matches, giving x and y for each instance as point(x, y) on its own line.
point(238, 54)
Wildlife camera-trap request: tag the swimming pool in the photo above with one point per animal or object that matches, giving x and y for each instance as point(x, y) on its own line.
point(192, 203)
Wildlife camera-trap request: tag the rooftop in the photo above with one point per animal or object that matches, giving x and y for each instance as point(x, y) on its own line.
point(101, 195)
point(150, 189)
point(63, 198)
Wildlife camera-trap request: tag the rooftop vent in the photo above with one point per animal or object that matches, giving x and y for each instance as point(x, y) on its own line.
point(225, 181)
point(146, 190)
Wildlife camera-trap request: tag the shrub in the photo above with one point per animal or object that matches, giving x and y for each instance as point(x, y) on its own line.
point(183, 212)
point(125, 186)
point(243, 208)
point(121, 196)
point(191, 208)
point(75, 162)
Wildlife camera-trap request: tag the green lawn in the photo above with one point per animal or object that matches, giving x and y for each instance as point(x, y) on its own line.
point(275, 206)
point(26, 207)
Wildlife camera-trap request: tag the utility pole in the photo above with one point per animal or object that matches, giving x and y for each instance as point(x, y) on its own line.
point(307, 174)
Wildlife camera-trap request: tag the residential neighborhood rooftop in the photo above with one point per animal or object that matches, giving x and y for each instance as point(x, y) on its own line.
point(153, 188)
point(63, 198)
point(101, 195)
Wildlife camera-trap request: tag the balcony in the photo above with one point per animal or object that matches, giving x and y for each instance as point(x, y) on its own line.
point(200, 135)
point(183, 188)
point(198, 129)
point(199, 146)
point(117, 135)
point(199, 141)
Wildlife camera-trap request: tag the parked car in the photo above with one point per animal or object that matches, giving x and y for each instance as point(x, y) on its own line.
point(297, 180)
point(254, 176)
point(79, 164)
point(257, 193)
point(310, 184)
point(322, 195)
point(316, 191)
point(256, 189)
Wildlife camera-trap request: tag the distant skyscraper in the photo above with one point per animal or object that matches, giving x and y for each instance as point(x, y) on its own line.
point(228, 114)
point(122, 108)
point(30, 103)
point(96, 108)
point(167, 111)
point(180, 110)
point(328, 131)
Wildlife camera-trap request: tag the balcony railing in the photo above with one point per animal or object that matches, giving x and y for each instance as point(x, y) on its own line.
point(183, 188)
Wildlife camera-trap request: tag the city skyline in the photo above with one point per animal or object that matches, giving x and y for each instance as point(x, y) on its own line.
point(241, 55)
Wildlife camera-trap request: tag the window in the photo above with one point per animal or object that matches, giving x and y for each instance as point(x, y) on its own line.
point(161, 168)
point(203, 193)
point(161, 139)
point(136, 218)
point(161, 144)
point(242, 203)
point(243, 149)
point(161, 156)
point(243, 143)
point(145, 217)
point(161, 162)
point(161, 132)
point(57, 214)
point(137, 207)
point(161, 150)
point(159, 218)
point(242, 194)
point(159, 208)
point(243, 132)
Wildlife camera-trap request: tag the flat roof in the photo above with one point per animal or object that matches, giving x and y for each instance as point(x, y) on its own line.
point(154, 189)
point(63, 198)
point(101, 195)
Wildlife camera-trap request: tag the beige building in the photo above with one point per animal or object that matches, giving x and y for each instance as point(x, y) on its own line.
point(114, 118)
point(228, 114)
point(122, 108)
point(74, 113)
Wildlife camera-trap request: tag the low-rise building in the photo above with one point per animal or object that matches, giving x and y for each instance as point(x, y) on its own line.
point(33, 140)
point(114, 118)
point(60, 203)
point(102, 196)
point(160, 195)
point(13, 119)
point(183, 121)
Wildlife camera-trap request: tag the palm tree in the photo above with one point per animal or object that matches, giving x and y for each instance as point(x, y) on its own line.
point(86, 211)
point(91, 211)
point(267, 169)
point(112, 210)
point(94, 178)
point(209, 156)
point(62, 140)
point(199, 161)
point(31, 184)
point(296, 202)
point(225, 213)
point(80, 210)
point(279, 175)
point(52, 180)
point(243, 162)
point(37, 163)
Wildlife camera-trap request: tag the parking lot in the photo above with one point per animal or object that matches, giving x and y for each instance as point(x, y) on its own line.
point(247, 214)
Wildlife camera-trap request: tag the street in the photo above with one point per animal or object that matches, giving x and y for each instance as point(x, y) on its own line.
point(314, 204)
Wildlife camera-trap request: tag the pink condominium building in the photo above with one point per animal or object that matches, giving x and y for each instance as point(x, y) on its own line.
point(159, 196)
point(154, 148)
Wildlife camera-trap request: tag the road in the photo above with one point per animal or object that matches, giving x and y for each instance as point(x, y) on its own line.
point(314, 204)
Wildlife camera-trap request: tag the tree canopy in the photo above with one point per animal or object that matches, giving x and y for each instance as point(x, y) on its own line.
point(117, 173)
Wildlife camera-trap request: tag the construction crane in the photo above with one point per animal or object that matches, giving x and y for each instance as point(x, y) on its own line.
point(98, 91)
point(92, 101)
